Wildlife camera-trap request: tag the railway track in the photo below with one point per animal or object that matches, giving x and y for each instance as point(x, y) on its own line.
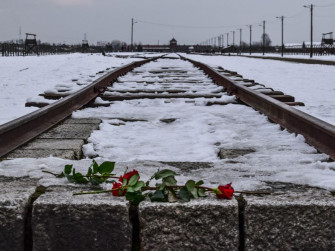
point(171, 80)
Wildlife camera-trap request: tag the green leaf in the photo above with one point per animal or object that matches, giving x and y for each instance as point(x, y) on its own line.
point(67, 169)
point(158, 195)
point(106, 167)
point(190, 184)
point(169, 181)
point(184, 194)
point(138, 186)
point(95, 167)
point(172, 196)
point(78, 177)
point(201, 192)
point(124, 182)
point(161, 186)
point(164, 173)
point(95, 181)
point(130, 189)
point(70, 178)
point(135, 198)
point(89, 172)
point(194, 193)
point(133, 180)
point(199, 183)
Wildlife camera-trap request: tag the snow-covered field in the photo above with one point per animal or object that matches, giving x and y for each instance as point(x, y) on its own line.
point(198, 131)
point(24, 78)
point(312, 84)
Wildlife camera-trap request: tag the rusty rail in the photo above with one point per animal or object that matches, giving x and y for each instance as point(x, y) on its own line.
point(317, 133)
point(19, 131)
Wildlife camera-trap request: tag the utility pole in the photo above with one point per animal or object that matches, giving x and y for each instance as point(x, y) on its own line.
point(222, 41)
point(282, 35)
point(263, 38)
point(219, 42)
point(233, 41)
point(240, 39)
point(233, 38)
point(311, 48)
point(227, 39)
point(250, 26)
point(132, 34)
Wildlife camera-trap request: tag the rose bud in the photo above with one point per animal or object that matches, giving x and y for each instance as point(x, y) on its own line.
point(227, 192)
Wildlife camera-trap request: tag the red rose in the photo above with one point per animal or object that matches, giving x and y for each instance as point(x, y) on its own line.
point(227, 192)
point(128, 175)
point(118, 192)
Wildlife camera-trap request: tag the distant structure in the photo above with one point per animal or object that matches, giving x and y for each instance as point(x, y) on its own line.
point(31, 44)
point(327, 42)
point(171, 47)
point(173, 44)
point(84, 46)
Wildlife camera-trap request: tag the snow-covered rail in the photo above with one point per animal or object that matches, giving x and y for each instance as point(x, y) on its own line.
point(318, 133)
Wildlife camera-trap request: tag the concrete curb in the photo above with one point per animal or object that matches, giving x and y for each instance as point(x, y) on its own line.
point(61, 221)
point(292, 217)
point(15, 197)
point(300, 219)
point(206, 224)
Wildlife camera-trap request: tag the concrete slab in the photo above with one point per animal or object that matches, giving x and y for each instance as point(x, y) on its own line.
point(56, 144)
point(70, 131)
point(297, 218)
point(83, 121)
point(187, 166)
point(233, 153)
point(15, 197)
point(62, 221)
point(63, 141)
point(39, 153)
point(207, 224)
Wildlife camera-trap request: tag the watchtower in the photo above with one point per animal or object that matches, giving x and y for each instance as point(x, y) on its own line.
point(31, 46)
point(173, 44)
point(327, 43)
point(85, 47)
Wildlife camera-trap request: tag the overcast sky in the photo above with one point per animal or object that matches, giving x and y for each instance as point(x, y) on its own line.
point(189, 21)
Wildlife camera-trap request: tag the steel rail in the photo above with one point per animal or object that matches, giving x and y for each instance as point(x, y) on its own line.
point(317, 133)
point(19, 131)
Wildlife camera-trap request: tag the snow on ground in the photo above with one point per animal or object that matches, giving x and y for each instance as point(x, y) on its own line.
point(196, 134)
point(24, 78)
point(312, 84)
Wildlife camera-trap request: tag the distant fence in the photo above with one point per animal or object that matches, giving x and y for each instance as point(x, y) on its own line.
point(290, 50)
point(12, 49)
